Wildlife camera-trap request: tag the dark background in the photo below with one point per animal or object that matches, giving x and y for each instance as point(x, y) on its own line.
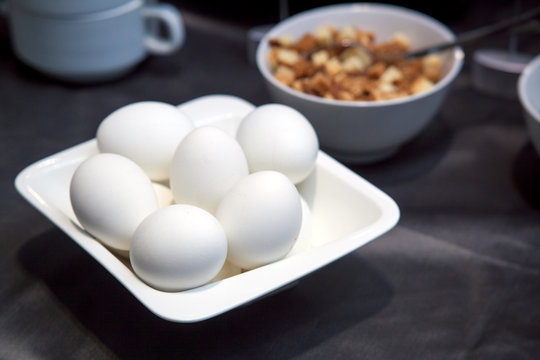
point(262, 12)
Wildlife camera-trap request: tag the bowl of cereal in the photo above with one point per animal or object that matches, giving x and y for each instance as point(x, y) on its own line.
point(363, 103)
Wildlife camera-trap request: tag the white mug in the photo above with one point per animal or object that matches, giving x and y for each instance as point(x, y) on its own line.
point(82, 40)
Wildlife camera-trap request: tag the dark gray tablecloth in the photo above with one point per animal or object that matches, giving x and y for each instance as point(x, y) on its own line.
point(457, 278)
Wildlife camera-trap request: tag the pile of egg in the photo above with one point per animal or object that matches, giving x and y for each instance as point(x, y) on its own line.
point(189, 205)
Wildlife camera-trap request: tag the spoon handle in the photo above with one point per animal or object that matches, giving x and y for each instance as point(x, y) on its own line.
point(476, 34)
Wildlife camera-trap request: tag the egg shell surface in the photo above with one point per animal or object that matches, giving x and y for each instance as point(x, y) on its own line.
point(278, 137)
point(206, 164)
point(146, 132)
point(178, 247)
point(303, 241)
point(110, 196)
point(262, 216)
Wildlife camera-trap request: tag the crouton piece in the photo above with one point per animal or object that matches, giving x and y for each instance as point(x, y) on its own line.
point(284, 75)
point(320, 57)
point(287, 56)
point(391, 74)
point(324, 35)
point(421, 84)
point(333, 66)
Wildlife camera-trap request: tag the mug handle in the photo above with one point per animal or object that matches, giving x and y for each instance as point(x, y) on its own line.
point(172, 19)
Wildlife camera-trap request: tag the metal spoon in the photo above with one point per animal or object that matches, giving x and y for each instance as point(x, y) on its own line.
point(475, 34)
point(462, 39)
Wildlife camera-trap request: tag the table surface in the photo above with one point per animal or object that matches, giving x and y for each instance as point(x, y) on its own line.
point(457, 278)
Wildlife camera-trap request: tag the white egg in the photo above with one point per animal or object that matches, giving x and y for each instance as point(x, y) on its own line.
point(278, 137)
point(303, 241)
point(146, 132)
point(110, 196)
point(262, 216)
point(206, 164)
point(178, 247)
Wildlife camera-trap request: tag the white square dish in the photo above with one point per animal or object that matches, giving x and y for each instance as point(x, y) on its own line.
point(346, 213)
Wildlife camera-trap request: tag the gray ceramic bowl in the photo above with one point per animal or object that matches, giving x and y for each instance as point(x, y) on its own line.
point(529, 96)
point(366, 131)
